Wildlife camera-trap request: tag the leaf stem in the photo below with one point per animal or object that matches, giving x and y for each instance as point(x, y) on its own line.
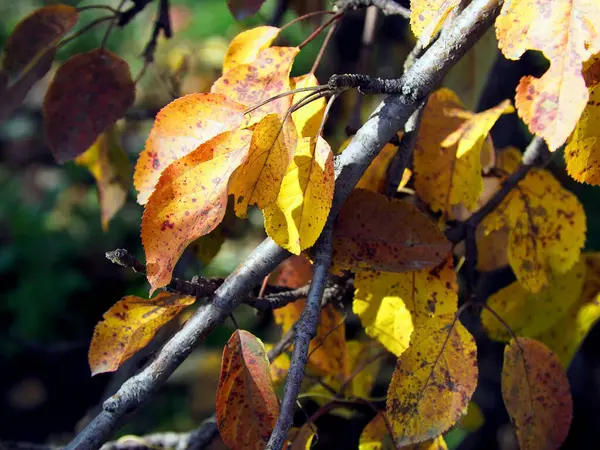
point(304, 17)
point(320, 28)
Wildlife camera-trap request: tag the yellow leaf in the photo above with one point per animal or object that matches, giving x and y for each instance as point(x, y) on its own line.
point(565, 337)
point(308, 118)
point(295, 220)
point(390, 305)
point(536, 393)
point(582, 153)
point(129, 326)
point(374, 178)
point(247, 406)
point(279, 367)
point(179, 128)
point(189, 201)
point(303, 439)
point(428, 16)
point(473, 420)
point(567, 32)
point(433, 381)
point(109, 165)
point(447, 156)
point(547, 229)
point(263, 78)
point(246, 46)
point(528, 313)
point(258, 180)
point(376, 436)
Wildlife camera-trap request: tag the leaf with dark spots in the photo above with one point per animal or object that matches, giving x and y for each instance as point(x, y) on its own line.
point(189, 201)
point(373, 232)
point(88, 94)
point(129, 326)
point(247, 406)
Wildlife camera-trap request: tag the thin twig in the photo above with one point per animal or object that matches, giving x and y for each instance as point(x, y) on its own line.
point(306, 329)
point(388, 7)
point(320, 28)
point(328, 37)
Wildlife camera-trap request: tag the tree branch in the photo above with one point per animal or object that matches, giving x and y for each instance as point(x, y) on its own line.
point(306, 330)
point(389, 117)
point(388, 7)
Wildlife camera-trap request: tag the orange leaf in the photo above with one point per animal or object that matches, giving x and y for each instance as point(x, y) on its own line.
point(373, 232)
point(179, 128)
point(294, 272)
point(536, 393)
point(189, 201)
point(28, 53)
point(129, 326)
point(88, 94)
point(567, 32)
point(246, 46)
point(247, 407)
point(263, 78)
point(433, 381)
point(258, 179)
point(109, 165)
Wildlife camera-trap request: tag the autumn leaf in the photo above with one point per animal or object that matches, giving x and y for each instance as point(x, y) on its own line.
point(528, 313)
point(189, 201)
point(129, 326)
point(303, 440)
point(390, 305)
point(591, 71)
point(242, 9)
point(206, 247)
point(375, 177)
point(247, 407)
point(582, 153)
point(567, 32)
point(373, 232)
point(376, 436)
point(536, 393)
point(327, 351)
point(88, 94)
point(279, 367)
point(245, 47)
point(447, 155)
point(433, 381)
point(566, 336)
point(295, 220)
point(29, 52)
point(179, 128)
point(547, 229)
point(428, 16)
point(263, 78)
point(258, 180)
point(308, 118)
point(109, 165)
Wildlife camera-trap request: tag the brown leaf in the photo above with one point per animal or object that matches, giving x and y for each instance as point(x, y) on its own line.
point(88, 94)
point(242, 9)
point(247, 407)
point(373, 232)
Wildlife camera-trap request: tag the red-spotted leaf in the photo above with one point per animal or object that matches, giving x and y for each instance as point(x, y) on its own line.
point(189, 201)
point(373, 232)
point(129, 326)
point(536, 393)
point(247, 407)
point(88, 94)
point(179, 128)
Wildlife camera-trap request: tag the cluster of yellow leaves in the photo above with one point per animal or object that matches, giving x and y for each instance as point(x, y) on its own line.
point(203, 148)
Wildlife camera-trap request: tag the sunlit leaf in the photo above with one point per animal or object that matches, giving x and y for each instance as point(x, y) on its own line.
point(263, 78)
point(179, 128)
point(189, 201)
point(376, 233)
point(88, 94)
point(295, 220)
point(547, 229)
point(565, 337)
point(433, 381)
point(428, 16)
point(528, 313)
point(246, 46)
point(109, 165)
point(29, 52)
point(390, 305)
point(308, 118)
point(247, 407)
point(567, 32)
point(447, 155)
point(129, 326)
point(536, 393)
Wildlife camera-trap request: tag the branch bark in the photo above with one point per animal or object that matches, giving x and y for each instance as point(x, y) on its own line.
point(388, 7)
point(389, 117)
